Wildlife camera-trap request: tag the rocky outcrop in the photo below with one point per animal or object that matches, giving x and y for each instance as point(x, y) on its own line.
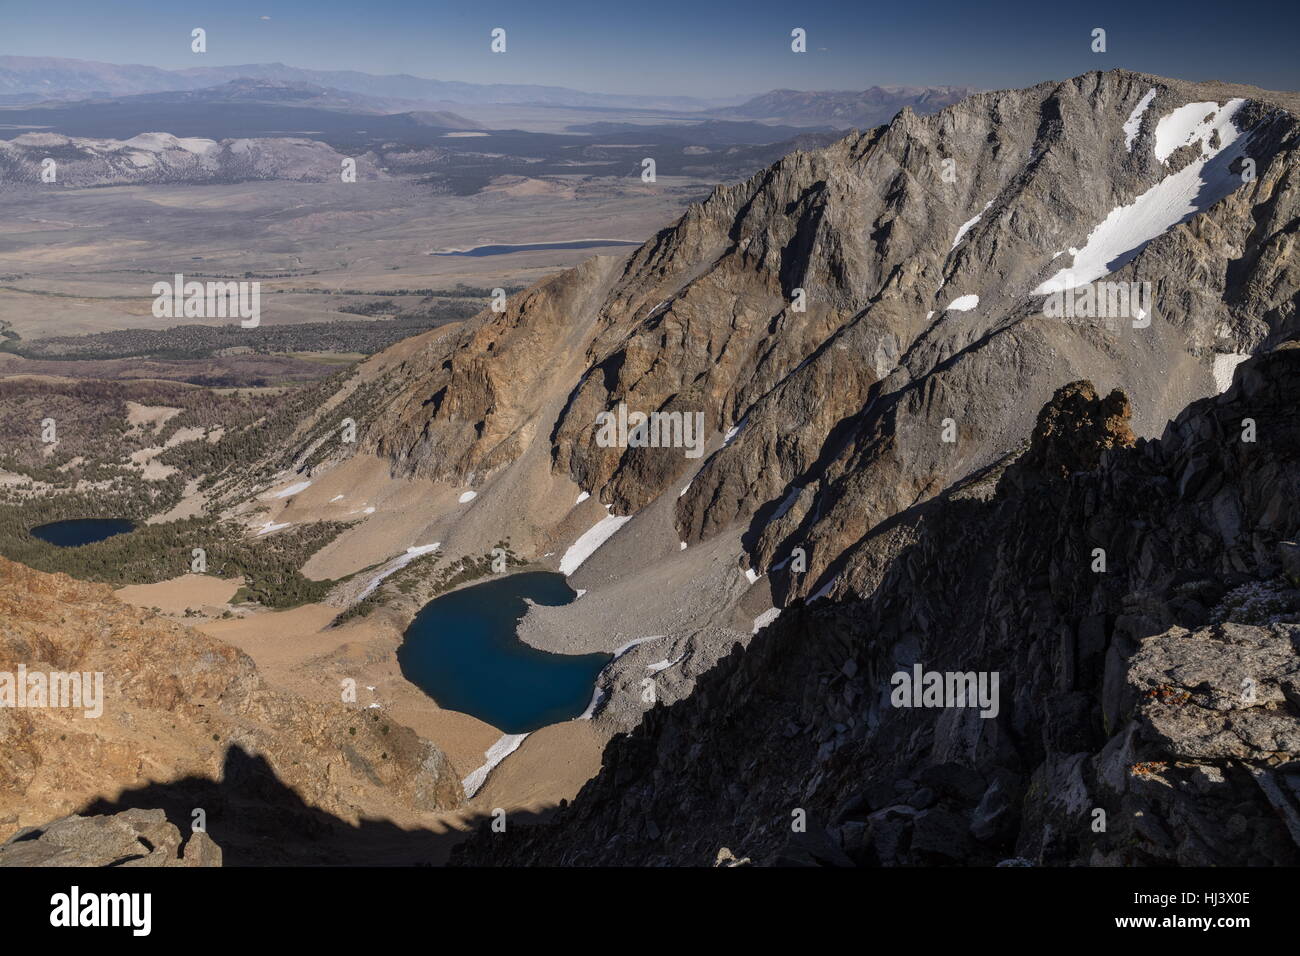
point(186, 723)
point(470, 405)
point(129, 838)
point(1133, 601)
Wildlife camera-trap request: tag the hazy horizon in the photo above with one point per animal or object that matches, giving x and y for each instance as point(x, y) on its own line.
point(680, 49)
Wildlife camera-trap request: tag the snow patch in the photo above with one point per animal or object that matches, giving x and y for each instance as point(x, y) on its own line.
point(683, 547)
point(619, 652)
point(1195, 122)
point(582, 497)
point(1124, 232)
point(590, 541)
point(597, 695)
point(396, 564)
point(269, 527)
point(963, 303)
point(292, 489)
point(766, 618)
point(824, 590)
point(1224, 365)
point(968, 225)
point(732, 432)
point(1133, 125)
point(751, 575)
point(498, 752)
point(664, 664)
point(467, 496)
point(786, 504)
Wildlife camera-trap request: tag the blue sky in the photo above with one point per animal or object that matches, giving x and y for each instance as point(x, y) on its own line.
point(693, 47)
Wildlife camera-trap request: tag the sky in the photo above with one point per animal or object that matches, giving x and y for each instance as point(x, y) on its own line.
point(704, 48)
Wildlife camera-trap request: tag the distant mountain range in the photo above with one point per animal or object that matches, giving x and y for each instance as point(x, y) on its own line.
point(277, 93)
point(26, 79)
point(845, 109)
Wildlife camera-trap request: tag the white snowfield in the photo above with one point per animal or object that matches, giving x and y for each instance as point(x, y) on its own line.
point(1195, 122)
point(395, 565)
point(590, 541)
point(1133, 125)
point(824, 590)
point(597, 695)
point(732, 432)
point(1224, 366)
point(269, 526)
point(636, 642)
point(786, 503)
point(968, 225)
point(664, 664)
point(582, 497)
point(467, 496)
point(291, 490)
point(1118, 239)
point(156, 142)
point(766, 618)
point(498, 752)
point(963, 303)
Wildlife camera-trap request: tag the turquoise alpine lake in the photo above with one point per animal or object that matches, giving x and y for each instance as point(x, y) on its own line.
point(78, 531)
point(463, 650)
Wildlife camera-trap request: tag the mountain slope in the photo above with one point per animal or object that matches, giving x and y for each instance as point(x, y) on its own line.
point(840, 409)
point(927, 345)
point(184, 714)
point(1124, 732)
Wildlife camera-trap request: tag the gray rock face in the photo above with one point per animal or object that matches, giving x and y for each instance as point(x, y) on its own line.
point(870, 326)
point(128, 838)
point(920, 251)
point(1136, 725)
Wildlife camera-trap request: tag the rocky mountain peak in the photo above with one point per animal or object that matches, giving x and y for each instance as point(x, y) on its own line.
point(1075, 427)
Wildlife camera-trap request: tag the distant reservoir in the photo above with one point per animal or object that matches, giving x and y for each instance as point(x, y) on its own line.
point(502, 250)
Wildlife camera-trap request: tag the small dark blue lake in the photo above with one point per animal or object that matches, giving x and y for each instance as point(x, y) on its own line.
point(78, 531)
point(462, 650)
point(502, 250)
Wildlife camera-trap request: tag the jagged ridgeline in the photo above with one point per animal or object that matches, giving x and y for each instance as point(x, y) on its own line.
point(874, 326)
point(923, 249)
